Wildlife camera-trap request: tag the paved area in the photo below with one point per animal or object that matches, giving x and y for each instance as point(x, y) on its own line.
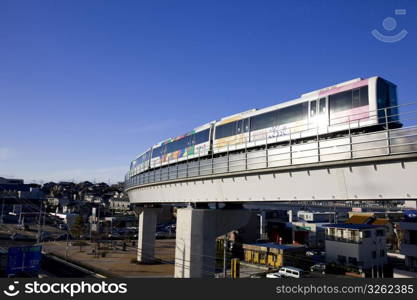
point(119, 262)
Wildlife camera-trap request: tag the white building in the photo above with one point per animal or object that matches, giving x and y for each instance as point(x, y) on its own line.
point(315, 216)
point(121, 204)
point(409, 244)
point(360, 246)
point(311, 234)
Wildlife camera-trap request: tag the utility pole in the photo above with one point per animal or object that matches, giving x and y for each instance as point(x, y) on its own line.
point(44, 217)
point(39, 222)
point(2, 211)
point(67, 246)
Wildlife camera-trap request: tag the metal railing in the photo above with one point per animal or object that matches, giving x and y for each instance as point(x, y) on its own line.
point(351, 240)
point(316, 144)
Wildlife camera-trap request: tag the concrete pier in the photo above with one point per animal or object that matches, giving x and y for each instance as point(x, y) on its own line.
point(197, 230)
point(146, 234)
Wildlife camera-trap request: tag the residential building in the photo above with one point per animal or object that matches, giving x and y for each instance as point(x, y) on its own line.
point(315, 216)
point(409, 242)
point(360, 246)
point(311, 234)
point(120, 204)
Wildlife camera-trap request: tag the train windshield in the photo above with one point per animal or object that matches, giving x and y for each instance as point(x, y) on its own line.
point(387, 101)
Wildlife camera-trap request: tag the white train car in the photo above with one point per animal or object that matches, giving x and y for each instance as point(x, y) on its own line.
point(195, 143)
point(141, 163)
point(353, 104)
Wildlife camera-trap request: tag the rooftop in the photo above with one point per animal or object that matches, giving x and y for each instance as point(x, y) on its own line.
point(353, 226)
point(277, 246)
point(381, 221)
point(355, 219)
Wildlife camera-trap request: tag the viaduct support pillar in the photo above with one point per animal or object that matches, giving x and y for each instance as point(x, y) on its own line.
point(146, 234)
point(196, 234)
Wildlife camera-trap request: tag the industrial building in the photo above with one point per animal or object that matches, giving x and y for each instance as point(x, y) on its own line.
point(274, 255)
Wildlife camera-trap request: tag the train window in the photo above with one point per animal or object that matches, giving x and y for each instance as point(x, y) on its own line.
point(386, 98)
point(178, 144)
point(263, 121)
point(239, 127)
point(202, 136)
point(246, 125)
point(170, 147)
point(226, 130)
point(322, 106)
point(364, 96)
point(340, 101)
point(313, 108)
point(356, 100)
point(147, 155)
point(188, 141)
point(156, 152)
point(292, 113)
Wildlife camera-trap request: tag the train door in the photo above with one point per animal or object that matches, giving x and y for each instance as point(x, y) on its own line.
point(323, 113)
point(312, 114)
point(318, 114)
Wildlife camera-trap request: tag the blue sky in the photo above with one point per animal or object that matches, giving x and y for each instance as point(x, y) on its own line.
point(87, 85)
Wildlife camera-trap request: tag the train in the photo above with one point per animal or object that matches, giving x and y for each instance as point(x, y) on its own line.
point(358, 104)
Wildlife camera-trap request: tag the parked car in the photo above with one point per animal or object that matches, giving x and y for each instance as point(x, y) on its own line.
point(62, 226)
point(321, 267)
point(114, 235)
point(274, 275)
point(46, 236)
point(291, 272)
point(314, 252)
point(64, 237)
point(21, 237)
point(22, 227)
point(257, 275)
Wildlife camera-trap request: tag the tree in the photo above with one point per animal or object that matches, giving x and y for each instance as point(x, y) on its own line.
point(78, 228)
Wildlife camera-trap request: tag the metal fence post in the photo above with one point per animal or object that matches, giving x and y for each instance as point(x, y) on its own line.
point(266, 150)
point(169, 171)
point(228, 159)
point(177, 167)
point(318, 144)
point(350, 140)
point(212, 161)
point(290, 148)
point(198, 162)
point(387, 131)
point(246, 154)
point(160, 170)
point(186, 167)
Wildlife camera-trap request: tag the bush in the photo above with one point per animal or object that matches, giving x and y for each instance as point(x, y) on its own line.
point(334, 268)
point(80, 243)
point(133, 260)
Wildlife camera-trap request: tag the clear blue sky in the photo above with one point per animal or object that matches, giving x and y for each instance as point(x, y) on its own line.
point(87, 85)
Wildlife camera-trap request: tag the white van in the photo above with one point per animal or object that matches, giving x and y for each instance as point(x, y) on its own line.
point(291, 272)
